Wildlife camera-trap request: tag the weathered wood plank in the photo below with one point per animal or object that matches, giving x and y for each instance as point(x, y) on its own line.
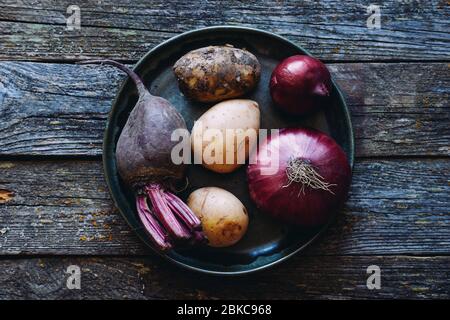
point(63, 207)
point(333, 277)
point(127, 29)
point(61, 109)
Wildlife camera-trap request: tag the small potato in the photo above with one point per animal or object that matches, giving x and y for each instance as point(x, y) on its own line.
point(217, 73)
point(224, 218)
point(223, 136)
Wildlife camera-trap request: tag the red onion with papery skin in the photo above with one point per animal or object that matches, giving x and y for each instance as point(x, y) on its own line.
point(299, 84)
point(311, 180)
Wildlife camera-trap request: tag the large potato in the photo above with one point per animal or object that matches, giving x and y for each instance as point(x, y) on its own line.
point(222, 137)
point(224, 218)
point(217, 73)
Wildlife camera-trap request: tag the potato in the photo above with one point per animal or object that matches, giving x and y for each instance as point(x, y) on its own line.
point(224, 218)
point(222, 137)
point(217, 73)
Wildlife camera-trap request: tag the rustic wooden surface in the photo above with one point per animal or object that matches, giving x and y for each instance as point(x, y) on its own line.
point(60, 109)
point(330, 277)
point(55, 208)
point(63, 207)
point(125, 30)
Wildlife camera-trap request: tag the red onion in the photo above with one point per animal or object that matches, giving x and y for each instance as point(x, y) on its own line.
point(311, 179)
point(299, 83)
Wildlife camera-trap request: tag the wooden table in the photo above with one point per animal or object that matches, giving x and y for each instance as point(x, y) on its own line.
point(55, 210)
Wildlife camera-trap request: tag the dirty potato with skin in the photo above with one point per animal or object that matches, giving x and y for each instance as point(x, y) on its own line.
point(217, 73)
point(224, 218)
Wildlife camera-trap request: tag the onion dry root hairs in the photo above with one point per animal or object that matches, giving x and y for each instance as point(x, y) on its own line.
point(302, 171)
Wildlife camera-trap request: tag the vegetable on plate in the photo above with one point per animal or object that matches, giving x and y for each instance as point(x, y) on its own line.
point(300, 84)
point(223, 216)
point(143, 157)
point(217, 73)
point(300, 176)
point(223, 136)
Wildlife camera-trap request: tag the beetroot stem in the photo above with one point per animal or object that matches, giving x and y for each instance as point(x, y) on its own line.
point(151, 225)
point(164, 214)
point(182, 211)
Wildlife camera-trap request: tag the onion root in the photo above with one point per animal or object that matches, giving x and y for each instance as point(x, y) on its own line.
point(302, 171)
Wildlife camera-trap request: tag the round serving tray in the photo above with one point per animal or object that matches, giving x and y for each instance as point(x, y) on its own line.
point(267, 242)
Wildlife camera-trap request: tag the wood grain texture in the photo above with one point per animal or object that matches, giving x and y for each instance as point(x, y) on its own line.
point(61, 109)
point(397, 216)
point(63, 207)
point(410, 30)
point(301, 278)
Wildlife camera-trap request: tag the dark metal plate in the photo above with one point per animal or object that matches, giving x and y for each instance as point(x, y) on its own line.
point(267, 242)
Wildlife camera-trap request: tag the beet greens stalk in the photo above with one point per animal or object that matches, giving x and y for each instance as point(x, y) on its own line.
point(153, 227)
point(164, 214)
point(143, 158)
point(183, 211)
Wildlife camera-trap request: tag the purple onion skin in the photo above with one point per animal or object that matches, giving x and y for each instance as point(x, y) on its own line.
point(300, 84)
point(274, 195)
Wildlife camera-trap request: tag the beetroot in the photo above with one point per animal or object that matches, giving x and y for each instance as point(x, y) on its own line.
point(143, 155)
